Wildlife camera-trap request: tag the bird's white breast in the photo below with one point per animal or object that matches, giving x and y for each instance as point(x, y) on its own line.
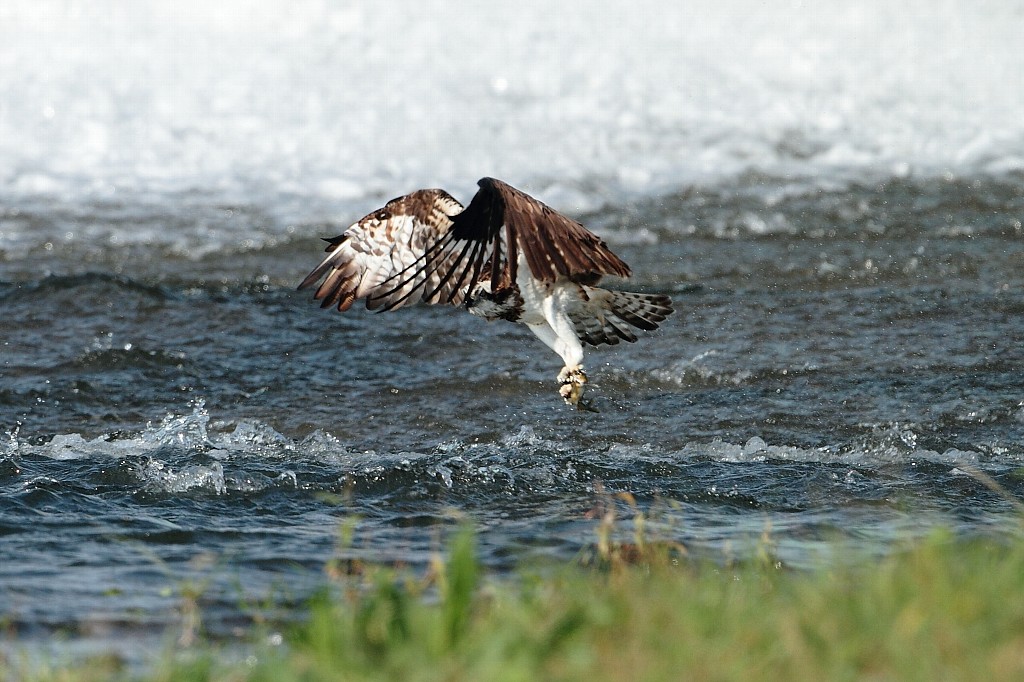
point(533, 292)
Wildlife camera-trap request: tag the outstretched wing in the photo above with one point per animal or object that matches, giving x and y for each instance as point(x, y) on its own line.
point(425, 246)
point(381, 257)
point(554, 246)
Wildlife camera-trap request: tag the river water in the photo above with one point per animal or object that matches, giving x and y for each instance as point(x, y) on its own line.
point(834, 206)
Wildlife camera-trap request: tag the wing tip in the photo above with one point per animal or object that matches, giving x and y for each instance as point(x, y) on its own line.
point(311, 279)
point(333, 243)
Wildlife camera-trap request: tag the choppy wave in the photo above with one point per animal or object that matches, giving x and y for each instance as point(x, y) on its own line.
point(901, 233)
point(151, 509)
point(518, 457)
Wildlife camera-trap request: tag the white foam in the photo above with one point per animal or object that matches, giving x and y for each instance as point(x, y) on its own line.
point(160, 477)
point(337, 106)
point(522, 457)
point(186, 432)
point(892, 445)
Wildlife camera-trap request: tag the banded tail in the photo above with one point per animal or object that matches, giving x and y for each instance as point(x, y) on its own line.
point(607, 316)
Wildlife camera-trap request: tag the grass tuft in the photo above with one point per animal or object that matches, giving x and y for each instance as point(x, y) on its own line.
point(640, 610)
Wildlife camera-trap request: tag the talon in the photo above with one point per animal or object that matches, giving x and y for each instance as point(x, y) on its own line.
point(572, 381)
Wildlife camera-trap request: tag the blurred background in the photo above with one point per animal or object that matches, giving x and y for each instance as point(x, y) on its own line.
point(314, 110)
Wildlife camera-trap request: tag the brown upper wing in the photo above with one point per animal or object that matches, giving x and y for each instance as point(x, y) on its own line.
point(552, 244)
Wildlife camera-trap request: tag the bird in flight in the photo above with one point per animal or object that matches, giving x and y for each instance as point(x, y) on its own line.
point(506, 256)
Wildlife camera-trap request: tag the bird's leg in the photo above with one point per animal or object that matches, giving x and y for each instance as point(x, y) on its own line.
point(572, 381)
point(568, 346)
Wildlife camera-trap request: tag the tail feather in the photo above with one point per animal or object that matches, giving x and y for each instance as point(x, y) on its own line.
point(608, 315)
point(644, 311)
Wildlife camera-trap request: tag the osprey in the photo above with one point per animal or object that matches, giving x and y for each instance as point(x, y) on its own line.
point(505, 256)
